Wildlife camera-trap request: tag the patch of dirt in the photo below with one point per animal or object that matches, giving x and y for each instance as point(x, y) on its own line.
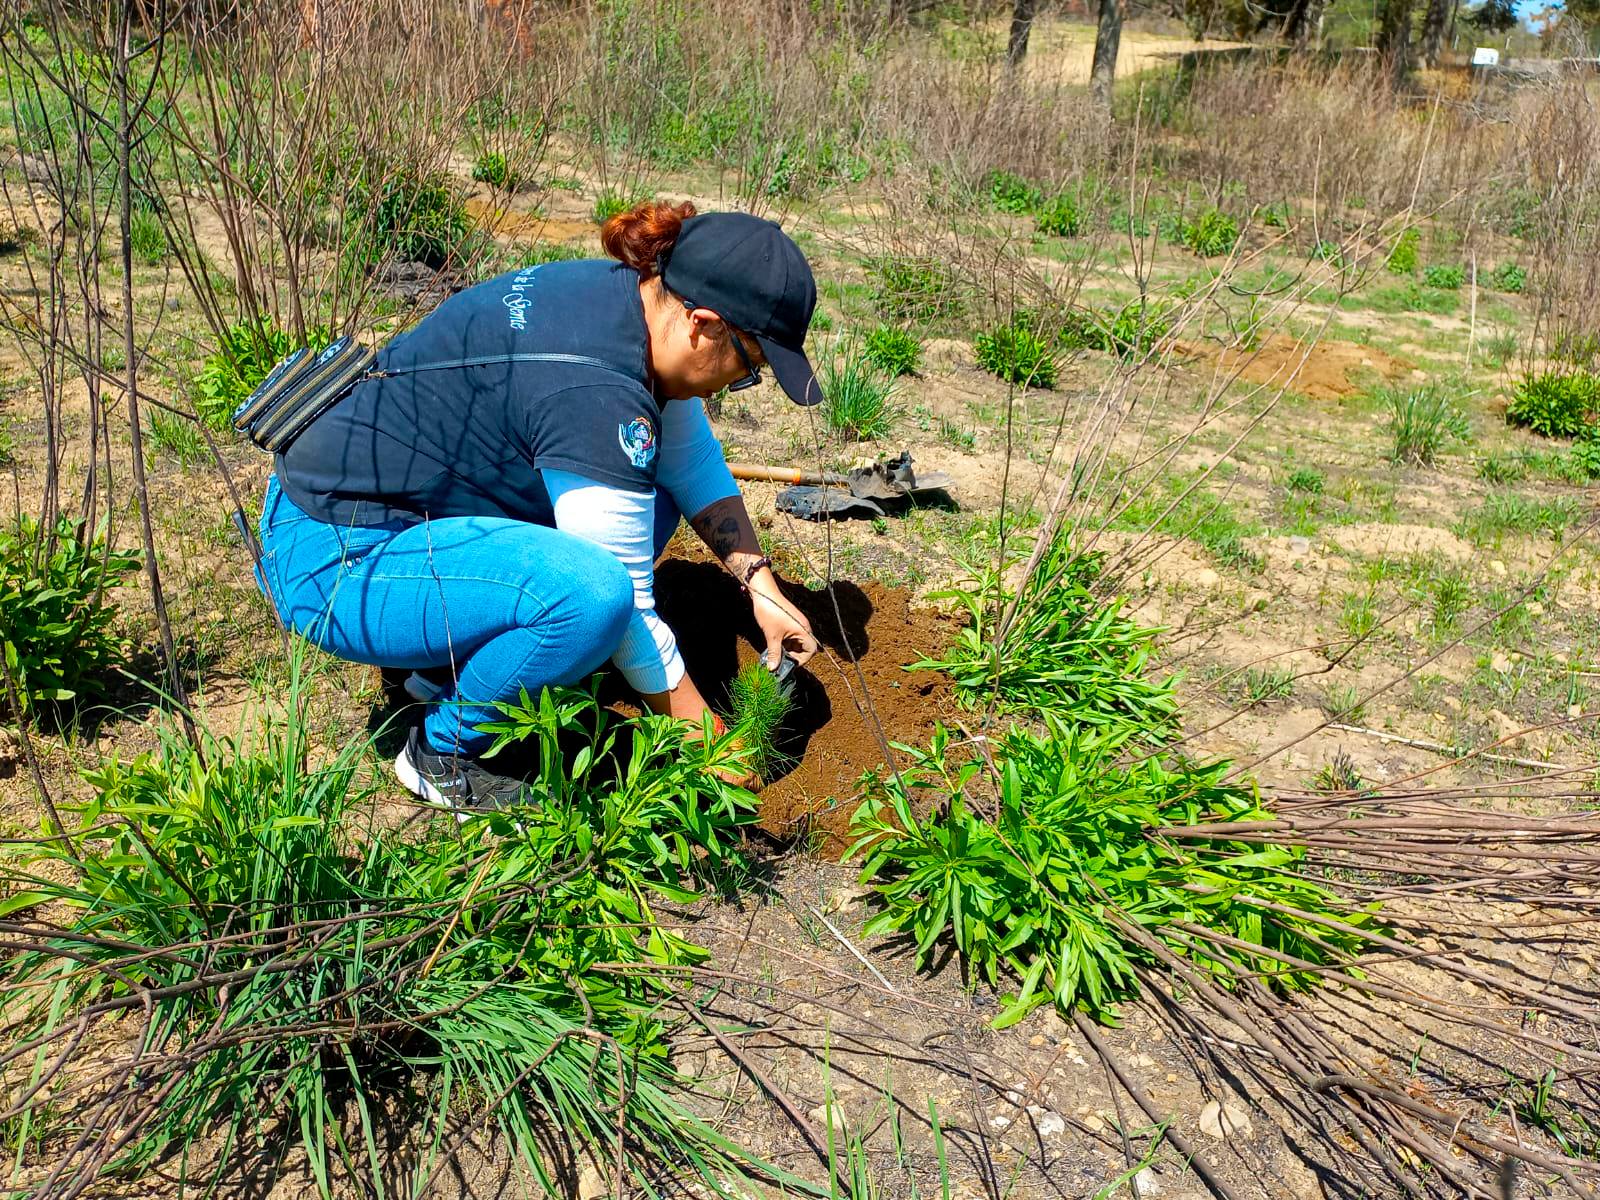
point(1380, 540)
point(526, 226)
point(1325, 374)
point(841, 706)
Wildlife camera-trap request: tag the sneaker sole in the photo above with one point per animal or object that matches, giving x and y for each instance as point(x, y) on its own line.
point(411, 779)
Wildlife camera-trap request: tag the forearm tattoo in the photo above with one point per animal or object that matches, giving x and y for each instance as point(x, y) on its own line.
point(726, 530)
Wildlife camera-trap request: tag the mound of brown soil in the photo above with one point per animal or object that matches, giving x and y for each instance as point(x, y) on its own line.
point(1331, 370)
point(853, 696)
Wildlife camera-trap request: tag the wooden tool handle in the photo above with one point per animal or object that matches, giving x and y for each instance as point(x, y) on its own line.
point(772, 474)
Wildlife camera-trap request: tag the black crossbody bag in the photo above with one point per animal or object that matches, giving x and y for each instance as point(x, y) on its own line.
point(309, 382)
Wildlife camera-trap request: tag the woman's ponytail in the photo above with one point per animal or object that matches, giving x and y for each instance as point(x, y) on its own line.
point(645, 233)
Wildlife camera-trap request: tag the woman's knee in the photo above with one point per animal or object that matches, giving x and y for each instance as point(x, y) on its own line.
point(612, 599)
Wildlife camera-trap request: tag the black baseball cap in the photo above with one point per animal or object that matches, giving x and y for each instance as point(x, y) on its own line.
point(752, 275)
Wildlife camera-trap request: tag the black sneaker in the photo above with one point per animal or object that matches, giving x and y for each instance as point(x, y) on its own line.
point(455, 781)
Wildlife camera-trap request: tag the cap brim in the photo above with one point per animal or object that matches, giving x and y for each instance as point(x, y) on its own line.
point(793, 372)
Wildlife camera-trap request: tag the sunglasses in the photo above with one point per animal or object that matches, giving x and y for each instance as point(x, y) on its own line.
point(752, 372)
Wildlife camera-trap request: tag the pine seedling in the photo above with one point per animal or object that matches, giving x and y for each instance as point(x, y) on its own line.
point(758, 704)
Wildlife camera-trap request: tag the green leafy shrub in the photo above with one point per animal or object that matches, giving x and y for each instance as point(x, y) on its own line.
point(146, 238)
point(1126, 331)
point(1555, 403)
point(1045, 893)
point(492, 168)
point(892, 350)
point(857, 396)
point(1067, 651)
point(1059, 217)
point(1422, 421)
point(1212, 233)
point(307, 968)
point(1508, 277)
point(757, 707)
point(1011, 193)
point(1017, 355)
point(57, 621)
point(409, 217)
point(1275, 215)
point(912, 288)
point(248, 352)
point(1584, 456)
point(1445, 276)
point(1403, 257)
point(1306, 479)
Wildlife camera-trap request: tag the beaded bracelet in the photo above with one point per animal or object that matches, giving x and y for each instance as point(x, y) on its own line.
point(750, 573)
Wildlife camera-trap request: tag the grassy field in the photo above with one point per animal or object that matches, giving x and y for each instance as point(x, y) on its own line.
point(1213, 776)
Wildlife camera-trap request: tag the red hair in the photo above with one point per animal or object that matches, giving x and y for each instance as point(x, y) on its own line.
point(640, 236)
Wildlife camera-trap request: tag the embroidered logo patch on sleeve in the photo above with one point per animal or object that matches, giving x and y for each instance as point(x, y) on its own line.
point(638, 440)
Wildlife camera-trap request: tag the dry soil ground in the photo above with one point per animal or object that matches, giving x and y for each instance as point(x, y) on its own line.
point(1259, 614)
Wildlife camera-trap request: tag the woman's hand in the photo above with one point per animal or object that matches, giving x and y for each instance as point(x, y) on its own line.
point(782, 624)
point(685, 703)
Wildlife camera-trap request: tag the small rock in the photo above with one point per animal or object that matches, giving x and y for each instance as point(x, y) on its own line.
point(1000, 1122)
point(1205, 577)
point(1093, 1123)
point(1534, 608)
point(1013, 1097)
point(1147, 1183)
point(1499, 663)
point(592, 1184)
point(1142, 1060)
point(828, 1114)
point(1223, 1121)
point(1036, 1040)
point(1299, 545)
point(1497, 567)
point(1049, 1124)
point(1574, 710)
point(174, 304)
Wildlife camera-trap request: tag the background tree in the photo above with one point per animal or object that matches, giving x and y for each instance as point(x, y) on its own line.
point(1394, 38)
point(1107, 37)
point(1022, 14)
point(1434, 22)
point(1492, 16)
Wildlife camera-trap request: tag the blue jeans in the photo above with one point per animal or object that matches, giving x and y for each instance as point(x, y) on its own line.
point(506, 604)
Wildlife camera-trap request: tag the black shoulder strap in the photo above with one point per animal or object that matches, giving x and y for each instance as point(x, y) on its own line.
point(489, 360)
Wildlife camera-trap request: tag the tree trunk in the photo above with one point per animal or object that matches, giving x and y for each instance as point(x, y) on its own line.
point(1433, 26)
point(1394, 39)
point(1107, 37)
point(1022, 12)
point(1304, 25)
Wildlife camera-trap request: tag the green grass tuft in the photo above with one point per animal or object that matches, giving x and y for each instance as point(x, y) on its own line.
point(1422, 422)
point(346, 967)
point(857, 397)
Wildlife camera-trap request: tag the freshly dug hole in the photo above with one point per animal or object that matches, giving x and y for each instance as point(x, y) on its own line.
point(828, 737)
